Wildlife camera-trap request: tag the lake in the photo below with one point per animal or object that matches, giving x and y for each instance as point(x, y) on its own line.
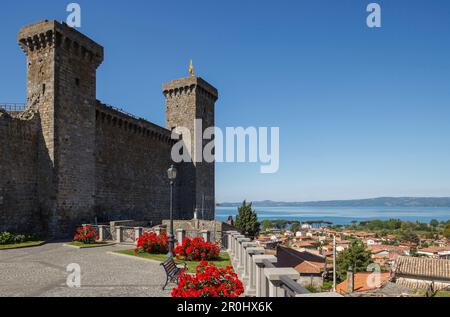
point(343, 215)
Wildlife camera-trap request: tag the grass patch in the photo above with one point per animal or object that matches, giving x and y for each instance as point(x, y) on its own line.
point(20, 245)
point(84, 245)
point(442, 294)
point(224, 259)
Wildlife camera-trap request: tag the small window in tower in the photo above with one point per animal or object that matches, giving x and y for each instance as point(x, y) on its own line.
point(77, 82)
point(43, 89)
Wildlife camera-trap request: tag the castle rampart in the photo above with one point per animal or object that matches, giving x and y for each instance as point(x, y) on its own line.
point(69, 159)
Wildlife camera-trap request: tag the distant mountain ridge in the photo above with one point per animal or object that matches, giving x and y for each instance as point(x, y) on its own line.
point(371, 202)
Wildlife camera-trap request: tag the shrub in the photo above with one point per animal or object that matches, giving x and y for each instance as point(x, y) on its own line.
point(6, 238)
point(86, 235)
point(197, 250)
point(209, 281)
point(9, 238)
point(150, 242)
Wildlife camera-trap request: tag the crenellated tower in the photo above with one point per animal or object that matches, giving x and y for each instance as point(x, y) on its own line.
point(61, 87)
point(190, 102)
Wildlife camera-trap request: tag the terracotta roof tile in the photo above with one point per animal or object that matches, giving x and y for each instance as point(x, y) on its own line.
point(422, 267)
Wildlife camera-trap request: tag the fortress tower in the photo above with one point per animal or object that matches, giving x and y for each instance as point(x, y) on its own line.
point(61, 87)
point(69, 159)
point(190, 101)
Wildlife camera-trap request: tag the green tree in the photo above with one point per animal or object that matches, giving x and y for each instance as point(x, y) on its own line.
point(247, 220)
point(446, 232)
point(266, 225)
point(356, 256)
point(409, 236)
point(434, 223)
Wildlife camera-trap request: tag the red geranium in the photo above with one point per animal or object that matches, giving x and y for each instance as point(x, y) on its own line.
point(209, 281)
point(197, 250)
point(86, 235)
point(150, 242)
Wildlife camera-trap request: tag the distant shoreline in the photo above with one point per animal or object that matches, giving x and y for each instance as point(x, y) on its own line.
point(391, 202)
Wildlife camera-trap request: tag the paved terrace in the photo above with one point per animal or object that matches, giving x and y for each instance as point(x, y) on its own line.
point(41, 271)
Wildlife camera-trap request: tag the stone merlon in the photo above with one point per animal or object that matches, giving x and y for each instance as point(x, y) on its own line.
point(189, 83)
point(52, 33)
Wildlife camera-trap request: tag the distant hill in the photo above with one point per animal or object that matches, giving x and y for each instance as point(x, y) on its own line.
point(372, 202)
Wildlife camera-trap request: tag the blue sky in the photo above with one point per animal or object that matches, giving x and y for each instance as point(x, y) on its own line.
point(362, 112)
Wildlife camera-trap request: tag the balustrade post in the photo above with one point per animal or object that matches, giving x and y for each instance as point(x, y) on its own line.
point(101, 233)
point(137, 234)
point(158, 231)
point(206, 235)
point(181, 234)
point(251, 286)
point(273, 276)
point(119, 234)
point(240, 263)
point(236, 247)
point(244, 261)
point(261, 283)
point(233, 243)
point(229, 237)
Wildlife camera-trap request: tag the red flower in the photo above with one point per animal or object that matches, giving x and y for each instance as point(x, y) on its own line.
point(150, 242)
point(209, 281)
point(197, 250)
point(86, 235)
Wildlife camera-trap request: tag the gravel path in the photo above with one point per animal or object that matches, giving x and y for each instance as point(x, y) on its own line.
point(41, 271)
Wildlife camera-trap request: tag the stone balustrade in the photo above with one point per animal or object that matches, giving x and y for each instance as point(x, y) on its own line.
point(259, 273)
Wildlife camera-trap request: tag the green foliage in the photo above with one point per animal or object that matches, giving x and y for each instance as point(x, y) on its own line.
point(434, 223)
point(327, 285)
point(266, 225)
point(409, 236)
point(9, 238)
point(312, 289)
point(446, 232)
point(356, 256)
point(247, 220)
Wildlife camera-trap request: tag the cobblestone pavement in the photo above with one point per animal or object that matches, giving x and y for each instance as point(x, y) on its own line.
point(41, 271)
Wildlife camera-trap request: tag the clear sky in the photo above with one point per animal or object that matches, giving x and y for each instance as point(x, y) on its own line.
point(362, 112)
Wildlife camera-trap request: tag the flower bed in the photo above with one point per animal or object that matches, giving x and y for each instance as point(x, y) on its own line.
point(209, 281)
point(150, 242)
point(197, 250)
point(86, 235)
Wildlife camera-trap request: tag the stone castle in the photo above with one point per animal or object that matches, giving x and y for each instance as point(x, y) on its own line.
point(68, 159)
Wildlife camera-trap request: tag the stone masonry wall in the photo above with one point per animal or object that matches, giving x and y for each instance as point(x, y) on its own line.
point(132, 158)
point(18, 177)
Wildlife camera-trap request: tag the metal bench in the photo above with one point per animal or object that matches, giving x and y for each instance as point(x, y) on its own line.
point(173, 272)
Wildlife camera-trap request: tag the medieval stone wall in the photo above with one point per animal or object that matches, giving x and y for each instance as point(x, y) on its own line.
point(132, 158)
point(18, 173)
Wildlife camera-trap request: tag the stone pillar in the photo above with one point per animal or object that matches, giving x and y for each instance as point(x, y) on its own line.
point(240, 262)
point(233, 243)
point(261, 285)
point(246, 245)
point(119, 234)
point(206, 235)
point(251, 286)
point(236, 246)
point(101, 233)
point(137, 233)
point(181, 234)
point(229, 237)
point(273, 276)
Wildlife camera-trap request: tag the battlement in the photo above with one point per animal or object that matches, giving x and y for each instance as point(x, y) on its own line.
point(50, 33)
point(130, 123)
point(188, 85)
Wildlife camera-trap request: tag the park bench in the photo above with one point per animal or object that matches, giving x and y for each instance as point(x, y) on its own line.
point(173, 272)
